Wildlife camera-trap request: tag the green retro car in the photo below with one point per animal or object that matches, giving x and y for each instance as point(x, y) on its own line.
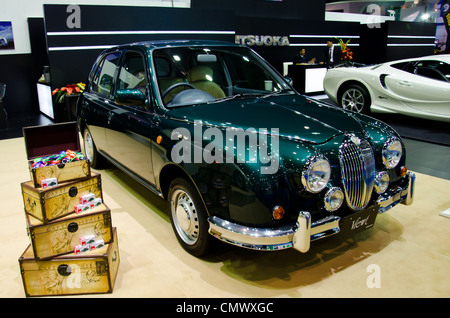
point(236, 151)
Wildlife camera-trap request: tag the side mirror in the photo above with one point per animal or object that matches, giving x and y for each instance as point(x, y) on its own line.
point(289, 80)
point(133, 97)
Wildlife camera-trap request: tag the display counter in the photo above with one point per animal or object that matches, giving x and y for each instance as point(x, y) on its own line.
point(307, 78)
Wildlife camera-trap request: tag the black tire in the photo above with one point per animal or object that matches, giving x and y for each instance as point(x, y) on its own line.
point(188, 217)
point(356, 98)
point(96, 160)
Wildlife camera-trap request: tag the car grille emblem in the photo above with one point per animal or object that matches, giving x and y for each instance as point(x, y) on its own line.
point(355, 140)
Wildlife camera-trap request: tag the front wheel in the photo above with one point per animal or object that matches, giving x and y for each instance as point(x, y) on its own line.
point(355, 98)
point(188, 217)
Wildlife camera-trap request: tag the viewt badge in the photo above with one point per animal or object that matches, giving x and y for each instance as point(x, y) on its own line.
point(358, 222)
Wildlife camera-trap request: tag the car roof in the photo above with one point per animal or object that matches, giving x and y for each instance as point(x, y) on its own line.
point(439, 57)
point(150, 45)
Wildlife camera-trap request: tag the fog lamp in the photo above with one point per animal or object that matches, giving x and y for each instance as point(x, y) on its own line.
point(278, 212)
point(381, 182)
point(333, 199)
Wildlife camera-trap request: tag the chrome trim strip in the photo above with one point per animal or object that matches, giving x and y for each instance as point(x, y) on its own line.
point(300, 234)
point(392, 197)
point(411, 187)
point(302, 237)
point(297, 235)
point(325, 227)
point(250, 237)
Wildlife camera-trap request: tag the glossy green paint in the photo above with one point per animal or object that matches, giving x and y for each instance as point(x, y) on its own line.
point(238, 191)
point(295, 116)
point(129, 97)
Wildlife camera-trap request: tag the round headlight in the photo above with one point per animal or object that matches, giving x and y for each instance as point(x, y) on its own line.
point(316, 174)
point(392, 153)
point(333, 199)
point(381, 182)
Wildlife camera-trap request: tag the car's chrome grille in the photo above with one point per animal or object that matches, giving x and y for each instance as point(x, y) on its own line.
point(358, 172)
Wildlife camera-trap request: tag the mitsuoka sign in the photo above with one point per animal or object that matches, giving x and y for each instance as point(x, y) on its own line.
point(262, 40)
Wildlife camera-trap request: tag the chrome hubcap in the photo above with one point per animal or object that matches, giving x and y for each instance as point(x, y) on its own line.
point(88, 146)
point(184, 216)
point(353, 99)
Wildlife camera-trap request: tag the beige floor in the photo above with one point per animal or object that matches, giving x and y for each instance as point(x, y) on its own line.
point(409, 247)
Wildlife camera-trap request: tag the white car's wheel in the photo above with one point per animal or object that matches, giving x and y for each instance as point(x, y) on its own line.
point(355, 98)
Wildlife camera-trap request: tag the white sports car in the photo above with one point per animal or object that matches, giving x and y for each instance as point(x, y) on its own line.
point(418, 87)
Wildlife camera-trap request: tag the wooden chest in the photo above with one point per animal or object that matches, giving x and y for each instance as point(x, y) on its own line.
point(60, 236)
point(42, 141)
point(72, 274)
point(58, 201)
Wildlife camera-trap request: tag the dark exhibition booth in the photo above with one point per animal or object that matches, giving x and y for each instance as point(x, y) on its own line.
point(90, 126)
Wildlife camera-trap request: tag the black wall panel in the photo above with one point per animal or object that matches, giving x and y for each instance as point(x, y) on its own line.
point(73, 51)
point(287, 9)
point(409, 39)
point(18, 73)
point(309, 34)
point(396, 40)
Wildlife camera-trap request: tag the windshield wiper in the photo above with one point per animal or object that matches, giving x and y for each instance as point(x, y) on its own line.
point(236, 96)
point(284, 90)
point(246, 95)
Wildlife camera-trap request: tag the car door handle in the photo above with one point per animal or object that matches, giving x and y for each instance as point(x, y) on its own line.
point(405, 83)
point(110, 115)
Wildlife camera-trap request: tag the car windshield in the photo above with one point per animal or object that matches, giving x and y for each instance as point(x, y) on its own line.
point(193, 75)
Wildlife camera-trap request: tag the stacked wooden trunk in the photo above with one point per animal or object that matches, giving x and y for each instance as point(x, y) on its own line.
point(74, 247)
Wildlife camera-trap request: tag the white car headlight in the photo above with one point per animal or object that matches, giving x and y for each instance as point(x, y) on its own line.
point(392, 153)
point(316, 174)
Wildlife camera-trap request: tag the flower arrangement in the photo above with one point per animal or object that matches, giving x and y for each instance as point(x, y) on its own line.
point(346, 53)
point(68, 90)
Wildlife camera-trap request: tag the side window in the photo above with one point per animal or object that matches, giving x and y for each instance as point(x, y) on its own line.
point(434, 69)
point(132, 74)
point(104, 75)
point(246, 74)
point(401, 66)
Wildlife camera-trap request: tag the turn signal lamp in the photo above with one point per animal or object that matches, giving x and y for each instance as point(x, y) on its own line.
point(278, 212)
point(403, 171)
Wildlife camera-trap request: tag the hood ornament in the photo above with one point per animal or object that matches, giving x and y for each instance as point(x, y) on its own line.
point(355, 140)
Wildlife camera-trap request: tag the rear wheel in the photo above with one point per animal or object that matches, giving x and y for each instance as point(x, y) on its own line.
point(355, 98)
point(96, 160)
point(188, 217)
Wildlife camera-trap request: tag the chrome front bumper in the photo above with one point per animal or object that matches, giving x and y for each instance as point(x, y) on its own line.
point(300, 234)
point(404, 195)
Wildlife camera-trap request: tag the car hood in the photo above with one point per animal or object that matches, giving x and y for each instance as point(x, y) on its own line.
point(296, 117)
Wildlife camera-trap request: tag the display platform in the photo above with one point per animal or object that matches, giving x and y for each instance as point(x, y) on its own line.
point(406, 253)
